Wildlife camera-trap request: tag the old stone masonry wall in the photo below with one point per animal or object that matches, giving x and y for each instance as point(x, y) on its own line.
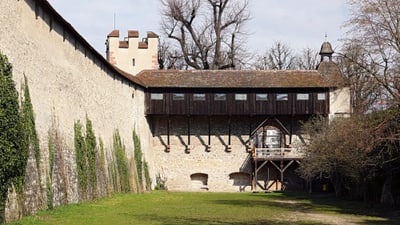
point(68, 83)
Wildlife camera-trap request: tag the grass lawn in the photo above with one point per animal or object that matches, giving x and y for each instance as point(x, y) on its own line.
point(216, 209)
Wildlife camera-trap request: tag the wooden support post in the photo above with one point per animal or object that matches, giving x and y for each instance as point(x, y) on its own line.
point(291, 130)
point(262, 165)
point(188, 134)
point(168, 134)
point(229, 148)
point(281, 170)
point(209, 134)
point(255, 176)
point(250, 144)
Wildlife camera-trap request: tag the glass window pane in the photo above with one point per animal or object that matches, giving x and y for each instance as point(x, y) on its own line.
point(321, 96)
point(219, 97)
point(261, 97)
point(240, 97)
point(178, 96)
point(157, 96)
point(282, 97)
point(302, 96)
point(199, 97)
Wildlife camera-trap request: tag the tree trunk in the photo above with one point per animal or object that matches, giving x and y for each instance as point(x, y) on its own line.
point(337, 184)
point(386, 195)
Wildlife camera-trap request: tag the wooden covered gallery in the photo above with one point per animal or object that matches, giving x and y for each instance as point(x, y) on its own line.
point(259, 112)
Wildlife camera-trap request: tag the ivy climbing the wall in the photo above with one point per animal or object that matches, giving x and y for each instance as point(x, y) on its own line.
point(81, 159)
point(141, 164)
point(85, 147)
point(13, 151)
point(28, 120)
point(90, 142)
point(121, 163)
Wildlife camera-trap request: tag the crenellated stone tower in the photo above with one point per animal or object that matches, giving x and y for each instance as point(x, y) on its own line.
point(130, 54)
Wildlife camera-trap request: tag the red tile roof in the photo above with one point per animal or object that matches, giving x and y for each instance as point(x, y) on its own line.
point(133, 34)
point(114, 33)
point(143, 45)
point(233, 79)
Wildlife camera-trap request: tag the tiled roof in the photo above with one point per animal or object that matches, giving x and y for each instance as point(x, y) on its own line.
point(133, 34)
point(114, 33)
point(233, 79)
point(142, 45)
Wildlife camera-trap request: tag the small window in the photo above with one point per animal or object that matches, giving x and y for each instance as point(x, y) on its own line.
point(199, 97)
point(302, 96)
point(157, 96)
point(261, 97)
point(219, 97)
point(282, 97)
point(321, 96)
point(133, 61)
point(178, 96)
point(240, 97)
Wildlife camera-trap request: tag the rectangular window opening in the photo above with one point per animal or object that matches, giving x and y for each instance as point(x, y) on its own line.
point(219, 97)
point(178, 96)
point(261, 97)
point(199, 97)
point(321, 96)
point(157, 96)
point(302, 97)
point(240, 97)
point(282, 97)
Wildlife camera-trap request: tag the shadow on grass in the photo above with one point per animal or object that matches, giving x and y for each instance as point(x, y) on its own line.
point(325, 204)
point(175, 220)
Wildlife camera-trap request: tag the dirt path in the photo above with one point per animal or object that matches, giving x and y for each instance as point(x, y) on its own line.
point(301, 213)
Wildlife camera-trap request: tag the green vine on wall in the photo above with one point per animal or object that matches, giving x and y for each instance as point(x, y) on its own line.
point(28, 118)
point(85, 147)
point(122, 162)
point(13, 150)
point(141, 165)
point(90, 142)
point(81, 159)
point(49, 179)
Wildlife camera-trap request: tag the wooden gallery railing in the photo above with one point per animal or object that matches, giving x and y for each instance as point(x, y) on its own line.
point(276, 153)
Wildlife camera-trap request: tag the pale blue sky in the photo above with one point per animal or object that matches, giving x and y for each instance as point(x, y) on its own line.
point(298, 23)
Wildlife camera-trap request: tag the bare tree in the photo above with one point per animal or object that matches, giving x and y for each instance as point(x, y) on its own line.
point(365, 90)
point(209, 33)
point(169, 58)
point(308, 59)
point(279, 57)
point(376, 25)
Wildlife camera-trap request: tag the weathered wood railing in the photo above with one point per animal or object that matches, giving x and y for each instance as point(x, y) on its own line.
point(277, 153)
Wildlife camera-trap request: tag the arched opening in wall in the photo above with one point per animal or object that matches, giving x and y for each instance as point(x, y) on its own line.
point(241, 179)
point(199, 181)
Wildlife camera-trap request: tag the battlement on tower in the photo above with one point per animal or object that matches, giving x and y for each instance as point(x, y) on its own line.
point(132, 54)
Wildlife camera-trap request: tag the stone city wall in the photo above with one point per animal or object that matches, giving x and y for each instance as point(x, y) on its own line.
point(200, 168)
point(68, 82)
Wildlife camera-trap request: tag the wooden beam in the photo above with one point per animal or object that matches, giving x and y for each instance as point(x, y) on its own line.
point(255, 176)
point(262, 165)
point(229, 131)
point(168, 130)
point(209, 130)
point(188, 130)
point(168, 134)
